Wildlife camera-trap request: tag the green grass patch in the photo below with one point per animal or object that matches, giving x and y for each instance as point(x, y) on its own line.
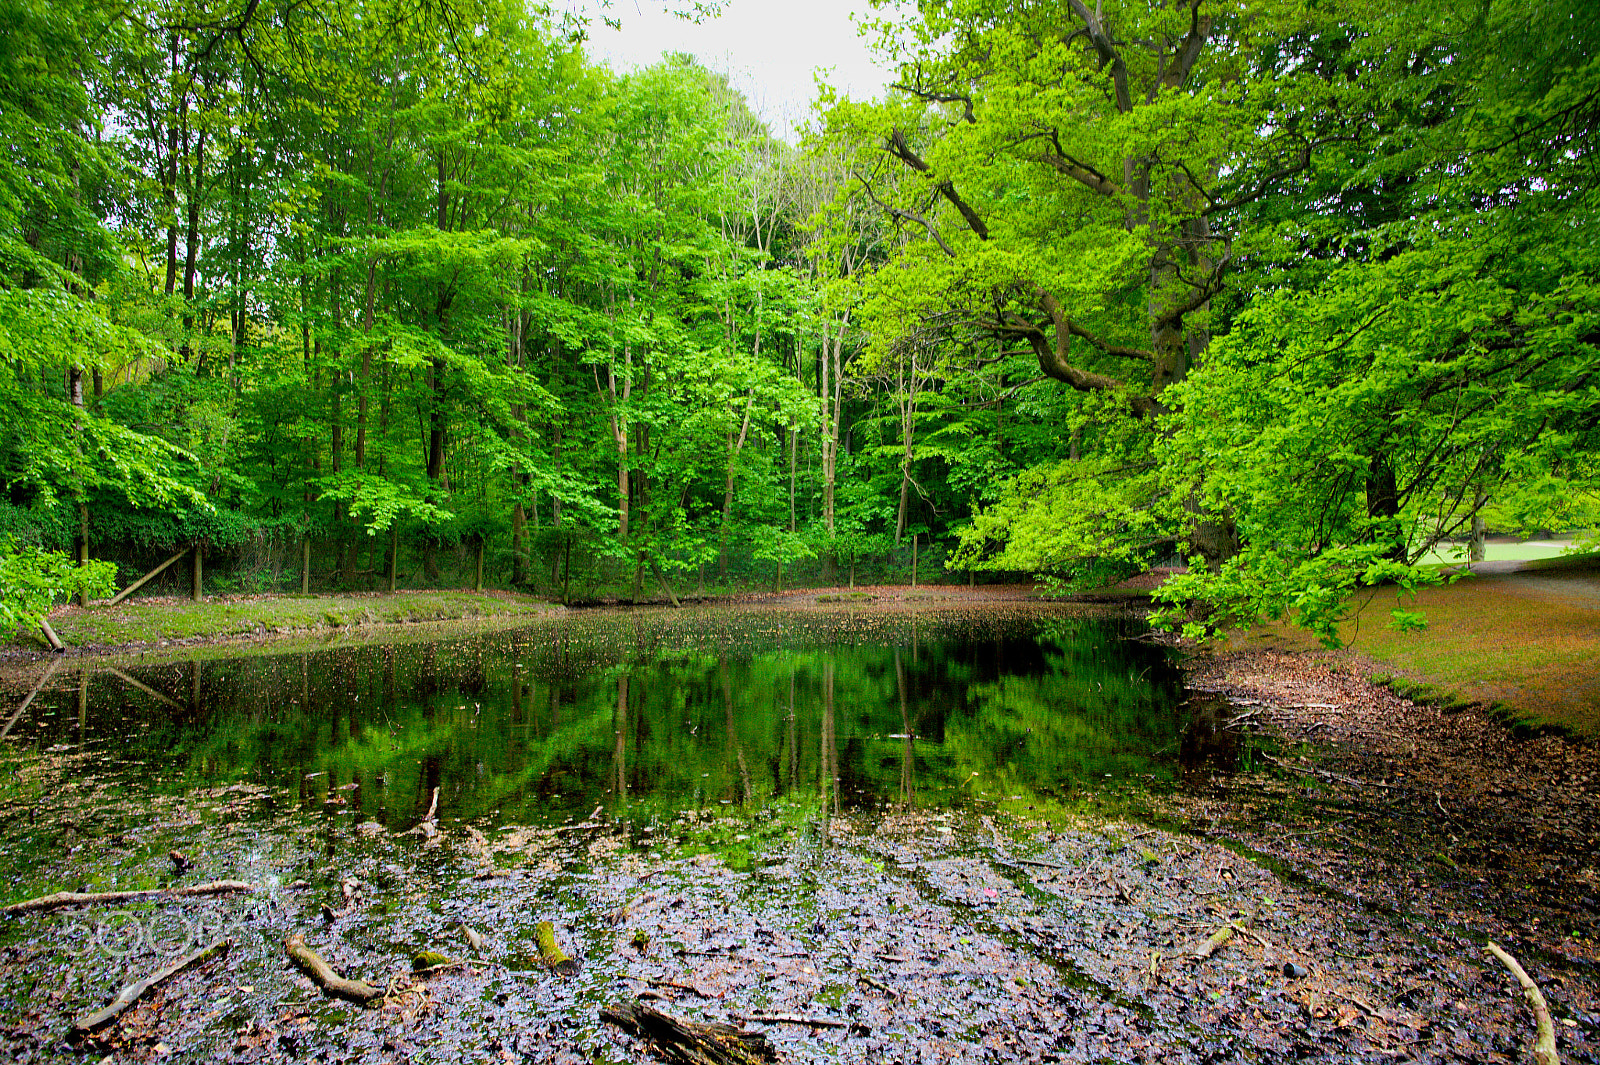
point(1520, 646)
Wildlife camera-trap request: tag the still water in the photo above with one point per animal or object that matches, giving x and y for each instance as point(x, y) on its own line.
point(650, 713)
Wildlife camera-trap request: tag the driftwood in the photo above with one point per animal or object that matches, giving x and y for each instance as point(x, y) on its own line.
point(1544, 1047)
point(323, 976)
point(89, 1022)
point(428, 827)
point(689, 1042)
point(551, 952)
point(62, 899)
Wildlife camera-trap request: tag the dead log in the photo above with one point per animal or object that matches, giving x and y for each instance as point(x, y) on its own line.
point(62, 899)
point(323, 976)
point(689, 1042)
point(50, 634)
point(1544, 1047)
point(554, 957)
point(142, 581)
point(90, 1022)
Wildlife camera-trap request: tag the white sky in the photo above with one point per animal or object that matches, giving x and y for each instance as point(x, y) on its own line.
point(770, 48)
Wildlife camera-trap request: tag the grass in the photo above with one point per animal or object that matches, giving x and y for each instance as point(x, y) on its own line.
point(157, 621)
point(1523, 645)
point(1494, 552)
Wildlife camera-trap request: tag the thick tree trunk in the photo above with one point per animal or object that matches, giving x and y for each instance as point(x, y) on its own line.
point(1383, 506)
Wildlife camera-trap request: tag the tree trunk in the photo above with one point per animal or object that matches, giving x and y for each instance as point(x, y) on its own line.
point(519, 574)
point(735, 446)
point(196, 590)
point(75, 392)
point(1383, 506)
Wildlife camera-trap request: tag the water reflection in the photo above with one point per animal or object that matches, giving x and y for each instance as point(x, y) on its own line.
point(645, 715)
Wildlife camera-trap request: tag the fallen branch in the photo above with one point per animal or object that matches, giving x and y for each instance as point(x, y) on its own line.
point(689, 1042)
point(1326, 775)
point(876, 984)
point(1209, 947)
point(805, 1022)
point(142, 686)
point(674, 985)
point(63, 899)
point(550, 951)
point(134, 991)
point(323, 976)
point(1544, 1048)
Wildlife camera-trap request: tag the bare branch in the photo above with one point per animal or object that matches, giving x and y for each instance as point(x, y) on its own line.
point(940, 98)
point(1270, 182)
point(895, 212)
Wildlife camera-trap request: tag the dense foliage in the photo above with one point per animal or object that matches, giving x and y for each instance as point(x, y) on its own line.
point(1294, 291)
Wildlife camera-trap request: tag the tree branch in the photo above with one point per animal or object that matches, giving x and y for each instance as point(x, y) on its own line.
point(1268, 183)
point(1189, 51)
point(1109, 56)
point(941, 98)
point(895, 212)
point(903, 152)
point(1085, 175)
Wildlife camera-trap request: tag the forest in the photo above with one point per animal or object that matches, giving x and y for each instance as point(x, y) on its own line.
point(341, 294)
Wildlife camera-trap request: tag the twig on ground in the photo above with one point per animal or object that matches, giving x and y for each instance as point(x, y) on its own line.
point(95, 898)
point(1544, 1047)
point(134, 991)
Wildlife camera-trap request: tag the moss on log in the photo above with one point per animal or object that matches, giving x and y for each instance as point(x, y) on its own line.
point(323, 976)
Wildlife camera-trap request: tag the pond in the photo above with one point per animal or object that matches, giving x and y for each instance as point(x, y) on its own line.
point(733, 801)
point(646, 714)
